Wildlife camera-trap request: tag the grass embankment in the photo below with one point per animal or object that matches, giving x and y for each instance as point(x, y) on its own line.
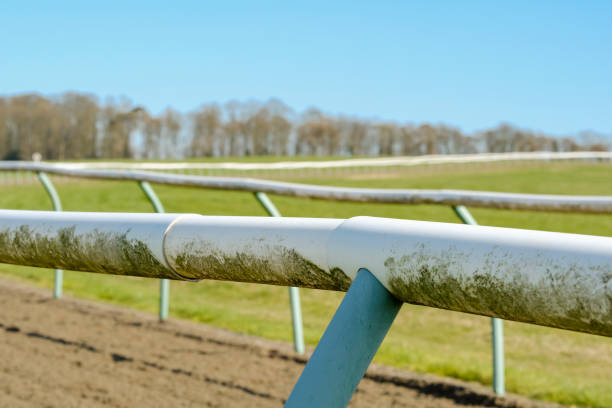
point(562, 366)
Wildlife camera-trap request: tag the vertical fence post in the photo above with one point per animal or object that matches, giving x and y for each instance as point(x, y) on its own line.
point(164, 284)
point(294, 293)
point(57, 206)
point(348, 345)
point(497, 333)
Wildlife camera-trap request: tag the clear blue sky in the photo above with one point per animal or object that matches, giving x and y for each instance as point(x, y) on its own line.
point(540, 65)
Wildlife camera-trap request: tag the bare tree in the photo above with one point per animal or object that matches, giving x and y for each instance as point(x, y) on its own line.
point(81, 114)
point(257, 129)
point(171, 127)
point(206, 127)
point(152, 137)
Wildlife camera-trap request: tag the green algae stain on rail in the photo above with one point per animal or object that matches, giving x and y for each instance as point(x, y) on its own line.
point(95, 251)
point(565, 297)
point(279, 266)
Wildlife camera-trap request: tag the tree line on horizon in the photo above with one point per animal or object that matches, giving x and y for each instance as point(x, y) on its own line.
point(77, 126)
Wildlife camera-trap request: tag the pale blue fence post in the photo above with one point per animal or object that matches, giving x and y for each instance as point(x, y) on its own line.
point(497, 332)
point(164, 284)
point(348, 345)
point(294, 293)
point(57, 206)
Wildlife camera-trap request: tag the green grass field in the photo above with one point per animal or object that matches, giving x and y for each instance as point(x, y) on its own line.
point(549, 364)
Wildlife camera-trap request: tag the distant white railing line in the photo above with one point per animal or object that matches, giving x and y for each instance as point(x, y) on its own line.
point(515, 201)
point(546, 278)
point(365, 162)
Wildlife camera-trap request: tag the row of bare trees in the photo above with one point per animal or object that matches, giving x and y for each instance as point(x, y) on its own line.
point(78, 126)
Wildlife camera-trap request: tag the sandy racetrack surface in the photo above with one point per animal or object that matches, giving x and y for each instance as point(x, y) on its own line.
point(75, 353)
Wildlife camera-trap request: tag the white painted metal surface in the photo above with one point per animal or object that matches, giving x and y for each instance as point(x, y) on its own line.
point(515, 201)
point(342, 163)
point(552, 279)
point(270, 250)
point(115, 243)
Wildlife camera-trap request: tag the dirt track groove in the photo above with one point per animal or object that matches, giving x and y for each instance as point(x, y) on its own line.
point(75, 353)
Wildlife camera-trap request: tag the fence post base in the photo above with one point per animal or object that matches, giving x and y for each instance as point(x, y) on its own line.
point(347, 346)
point(497, 335)
point(296, 319)
point(58, 277)
point(164, 297)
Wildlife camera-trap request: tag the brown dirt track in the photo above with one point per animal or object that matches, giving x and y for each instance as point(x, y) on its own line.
point(75, 353)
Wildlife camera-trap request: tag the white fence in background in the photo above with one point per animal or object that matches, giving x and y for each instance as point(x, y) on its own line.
point(514, 201)
point(404, 161)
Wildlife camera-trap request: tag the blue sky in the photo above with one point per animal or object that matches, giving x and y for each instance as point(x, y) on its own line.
point(540, 65)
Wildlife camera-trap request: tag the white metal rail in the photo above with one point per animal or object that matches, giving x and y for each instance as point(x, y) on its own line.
point(515, 201)
point(545, 278)
point(402, 161)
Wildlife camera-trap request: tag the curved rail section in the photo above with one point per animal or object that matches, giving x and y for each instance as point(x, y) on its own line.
point(546, 278)
point(514, 201)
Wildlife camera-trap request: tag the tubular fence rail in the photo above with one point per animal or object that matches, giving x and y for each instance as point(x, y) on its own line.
point(457, 199)
point(544, 278)
point(402, 161)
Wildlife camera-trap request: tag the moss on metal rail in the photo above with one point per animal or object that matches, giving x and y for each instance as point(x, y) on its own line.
point(563, 298)
point(283, 266)
point(96, 251)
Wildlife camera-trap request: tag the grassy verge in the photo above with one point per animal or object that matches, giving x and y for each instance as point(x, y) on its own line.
point(543, 363)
